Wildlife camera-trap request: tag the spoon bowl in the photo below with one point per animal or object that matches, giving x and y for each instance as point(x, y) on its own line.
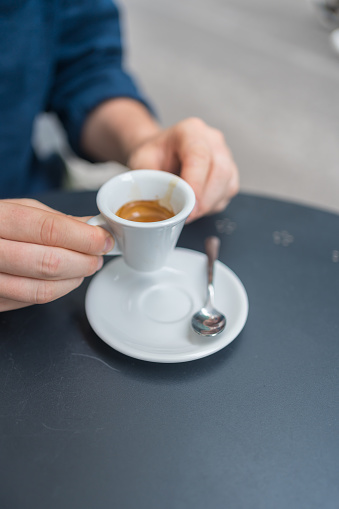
point(208, 321)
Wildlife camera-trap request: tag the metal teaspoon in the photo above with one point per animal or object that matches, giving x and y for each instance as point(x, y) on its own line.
point(208, 321)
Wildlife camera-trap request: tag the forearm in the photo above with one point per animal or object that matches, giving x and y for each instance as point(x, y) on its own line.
point(115, 128)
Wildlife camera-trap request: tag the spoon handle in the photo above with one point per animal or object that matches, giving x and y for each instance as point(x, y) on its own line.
point(212, 246)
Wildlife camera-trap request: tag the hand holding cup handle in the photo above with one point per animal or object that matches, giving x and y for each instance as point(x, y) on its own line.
point(99, 220)
point(144, 246)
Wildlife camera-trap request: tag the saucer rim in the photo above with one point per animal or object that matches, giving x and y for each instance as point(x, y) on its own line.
point(217, 342)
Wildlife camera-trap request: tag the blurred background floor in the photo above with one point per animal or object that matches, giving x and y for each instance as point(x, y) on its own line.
point(262, 71)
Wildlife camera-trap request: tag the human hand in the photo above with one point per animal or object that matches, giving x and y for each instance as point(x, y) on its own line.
point(199, 154)
point(45, 254)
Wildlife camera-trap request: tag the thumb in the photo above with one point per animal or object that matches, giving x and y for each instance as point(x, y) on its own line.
point(148, 156)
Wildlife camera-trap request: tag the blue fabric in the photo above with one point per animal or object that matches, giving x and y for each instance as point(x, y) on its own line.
point(55, 55)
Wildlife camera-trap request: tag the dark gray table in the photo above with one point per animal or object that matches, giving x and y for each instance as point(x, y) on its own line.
point(255, 425)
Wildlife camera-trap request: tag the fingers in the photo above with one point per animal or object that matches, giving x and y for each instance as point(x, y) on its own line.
point(45, 262)
point(10, 305)
point(29, 202)
point(33, 291)
point(45, 254)
point(148, 156)
point(199, 154)
point(28, 224)
point(221, 185)
point(207, 165)
point(196, 163)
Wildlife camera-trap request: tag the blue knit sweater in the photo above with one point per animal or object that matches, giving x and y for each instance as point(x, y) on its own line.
point(55, 55)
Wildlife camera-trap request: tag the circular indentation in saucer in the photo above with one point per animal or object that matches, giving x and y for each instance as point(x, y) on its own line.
point(114, 302)
point(166, 304)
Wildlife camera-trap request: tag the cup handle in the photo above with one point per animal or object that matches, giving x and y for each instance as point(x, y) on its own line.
point(99, 220)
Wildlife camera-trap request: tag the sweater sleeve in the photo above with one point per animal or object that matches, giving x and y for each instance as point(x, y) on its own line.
point(89, 64)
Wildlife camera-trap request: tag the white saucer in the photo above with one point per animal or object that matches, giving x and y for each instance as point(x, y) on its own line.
point(148, 316)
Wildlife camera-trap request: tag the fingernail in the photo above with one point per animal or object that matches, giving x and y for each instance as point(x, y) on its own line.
point(109, 244)
point(100, 263)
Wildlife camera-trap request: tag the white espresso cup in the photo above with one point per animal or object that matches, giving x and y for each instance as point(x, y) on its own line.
point(144, 246)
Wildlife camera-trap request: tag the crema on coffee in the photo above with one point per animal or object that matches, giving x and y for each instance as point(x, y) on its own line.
point(144, 211)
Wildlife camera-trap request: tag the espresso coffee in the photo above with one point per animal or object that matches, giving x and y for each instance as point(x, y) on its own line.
point(144, 211)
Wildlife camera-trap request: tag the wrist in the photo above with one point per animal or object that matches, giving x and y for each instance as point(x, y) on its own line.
point(116, 128)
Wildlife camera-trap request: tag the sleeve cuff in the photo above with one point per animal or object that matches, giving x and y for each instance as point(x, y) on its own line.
point(105, 87)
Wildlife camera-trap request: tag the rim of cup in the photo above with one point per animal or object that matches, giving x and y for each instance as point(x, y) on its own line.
point(162, 175)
